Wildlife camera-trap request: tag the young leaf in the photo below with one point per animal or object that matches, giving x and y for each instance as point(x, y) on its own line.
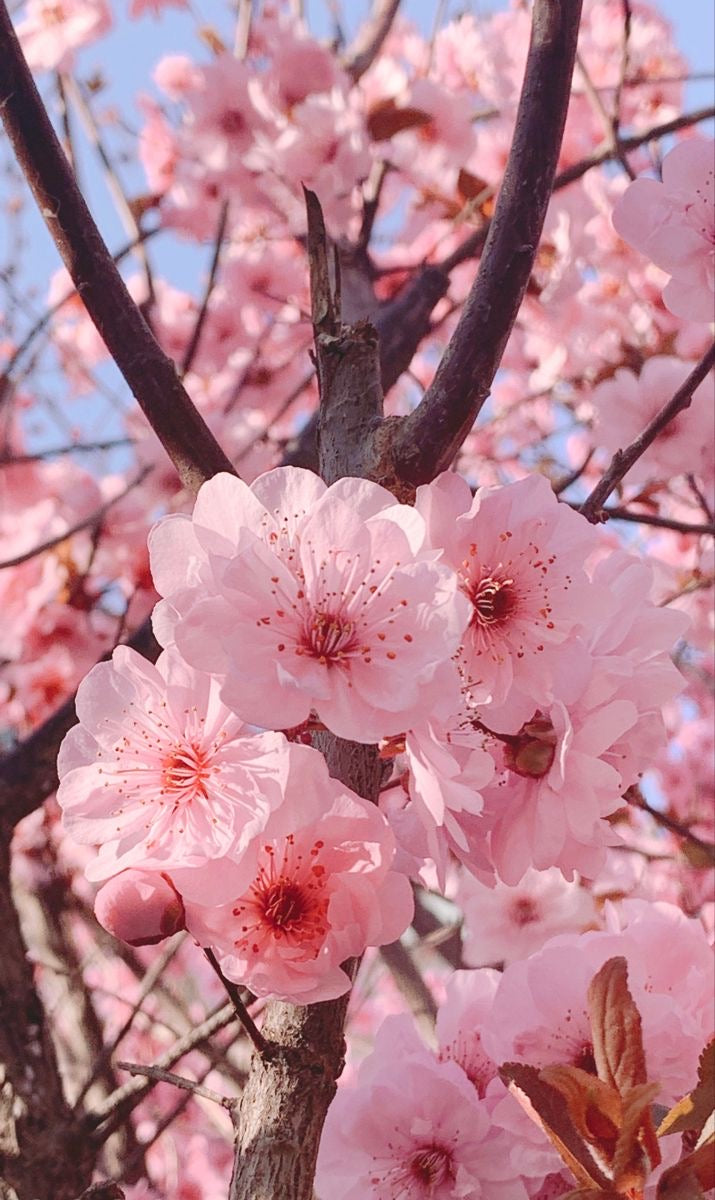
point(692, 1176)
point(616, 1027)
point(694, 1109)
point(548, 1107)
point(637, 1151)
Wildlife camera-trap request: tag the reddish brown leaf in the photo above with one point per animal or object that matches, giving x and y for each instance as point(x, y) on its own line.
point(548, 1107)
point(386, 119)
point(692, 1176)
point(616, 1027)
point(637, 1150)
point(593, 1107)
point(470, 187)
point(589, 1193)
point(694, 1109)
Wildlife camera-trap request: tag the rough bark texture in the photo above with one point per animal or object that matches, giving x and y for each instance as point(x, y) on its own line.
point(43, 1154)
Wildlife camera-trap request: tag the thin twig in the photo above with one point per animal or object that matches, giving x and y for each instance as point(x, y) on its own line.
point(12, 460)
point(234, 993)
point(149, 372)
point(179, 1081)
point(89, 522)
point(370, 37)
point(112, 1112)
point(155, 970)
point(198, 329)
point(67, 139)
point(406, 975)
point(606, 152)
point(623, 460)
point(657, 521)
point(114, 183)
point(706, 849)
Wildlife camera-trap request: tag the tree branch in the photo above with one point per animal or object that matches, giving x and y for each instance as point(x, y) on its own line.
point(368, 42)
point(149, 372)
point(426, 441)
point(42, 1155)
point(623, 460)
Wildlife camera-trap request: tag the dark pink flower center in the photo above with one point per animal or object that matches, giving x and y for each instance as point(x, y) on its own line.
point(524, 911)
point(494, 601)
point(431, 1166)
point(287, 898)
point(584, 1058)
point(187, 769)
point(531, 752)
point(329, 637)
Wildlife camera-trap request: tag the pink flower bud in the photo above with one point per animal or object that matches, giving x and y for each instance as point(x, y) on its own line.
point(139, 907)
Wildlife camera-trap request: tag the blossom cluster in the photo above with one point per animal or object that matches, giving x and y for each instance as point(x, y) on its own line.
point(488, 643)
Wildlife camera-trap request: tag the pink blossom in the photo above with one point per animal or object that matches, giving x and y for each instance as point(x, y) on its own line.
point(139, 907)
point(673, 223)
point(505, 923)
point(519, 555)
point(138, 8)
point(467, 1004)
point(306, 598)
point(626, 403)
point(159, 772)
point(411, 1127)
point(313, 889)
point(54, 29)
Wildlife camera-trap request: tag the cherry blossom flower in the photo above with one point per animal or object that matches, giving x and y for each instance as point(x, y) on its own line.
point(673, 223)
point(519, 555)
point(306, 598)
point(411, 1127)
point(159, 772)
point(505, 923)
point(312, 890)
point(139, 907)
point(53, 29)
point(468, 1001)
point(627, 403)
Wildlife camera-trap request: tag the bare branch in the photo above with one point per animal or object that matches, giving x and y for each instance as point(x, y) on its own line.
point(369, 39)
point(234, 995)
point(90, 522)
point(150, 374)
point(114, 184)
point(198, 329)
point(179, 1081)
point(12, 460)
point(607, 153)
point(623, 460)
point(616, 513)
point(704, 850)
point(426, 441)
point(404, 971)
point(113, 1111)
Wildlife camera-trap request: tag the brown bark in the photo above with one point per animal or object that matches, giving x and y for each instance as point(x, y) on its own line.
point(43, 1154)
